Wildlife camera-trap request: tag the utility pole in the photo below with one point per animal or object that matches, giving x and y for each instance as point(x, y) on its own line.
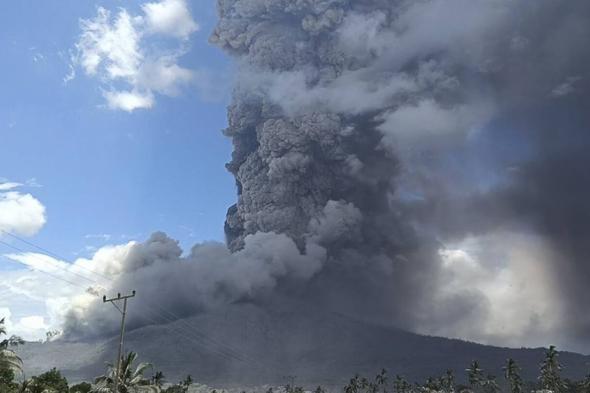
point(291, 379)
point(123, 312)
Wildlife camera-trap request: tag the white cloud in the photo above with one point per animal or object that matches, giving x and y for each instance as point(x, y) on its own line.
point(20, 213)
point(164, 76)
point(29, 327)
point(9, 186)
point(128, 100)
point(40, 295)
point(101, 236)
point(132, 65)
point(33, 322)
point(114, 46)
point(32, 182)
point(32, 295)
point(170, 17)
point(38, 261)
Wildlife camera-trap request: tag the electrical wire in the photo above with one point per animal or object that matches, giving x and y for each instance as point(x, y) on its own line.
point(51, 275)
point(52, 262)
point(53, 254)
point(225, 350)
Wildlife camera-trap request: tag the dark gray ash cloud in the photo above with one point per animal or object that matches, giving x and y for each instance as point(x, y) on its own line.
point(418, 163)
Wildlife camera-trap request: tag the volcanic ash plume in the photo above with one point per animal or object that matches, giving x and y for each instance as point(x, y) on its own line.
point(362, 185)
point(355, 126)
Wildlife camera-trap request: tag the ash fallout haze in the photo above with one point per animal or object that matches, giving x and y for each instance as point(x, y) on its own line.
point(420, 165)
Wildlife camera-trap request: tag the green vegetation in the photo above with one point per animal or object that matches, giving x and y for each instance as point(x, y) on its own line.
point(8, 359)
point(511, 374)
point(181, 387)
point(133, 379)
point(550, 369)
point(83, 387)
point(50, 381)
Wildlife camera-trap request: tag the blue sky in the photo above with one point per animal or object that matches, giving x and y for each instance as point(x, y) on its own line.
point(102, 170)
point(80, 170)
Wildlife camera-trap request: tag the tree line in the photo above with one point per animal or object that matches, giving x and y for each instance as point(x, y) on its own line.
point(133, 378)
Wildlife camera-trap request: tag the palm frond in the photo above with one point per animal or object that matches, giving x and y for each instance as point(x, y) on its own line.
point(105, 379)
point(141, 367)
point(10, 360)
point(14, 341)
point(101, 389)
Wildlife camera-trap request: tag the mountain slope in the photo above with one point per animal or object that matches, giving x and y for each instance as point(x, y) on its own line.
point(248, 345)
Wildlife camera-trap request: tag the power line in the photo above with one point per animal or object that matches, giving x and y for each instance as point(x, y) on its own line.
point(43, 271)
point(53, 254)
point(176, 331)
point(54, 263)
point(194, 341)
point(225, 350)
point(201, 335)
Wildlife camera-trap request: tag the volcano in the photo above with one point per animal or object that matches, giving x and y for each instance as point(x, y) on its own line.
point(248, 345)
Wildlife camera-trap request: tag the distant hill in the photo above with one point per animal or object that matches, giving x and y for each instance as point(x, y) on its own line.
point(273, 346)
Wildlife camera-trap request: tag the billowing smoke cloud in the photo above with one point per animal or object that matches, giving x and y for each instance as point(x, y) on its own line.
point(209, 276)
point(403, 95)
point(419, 163)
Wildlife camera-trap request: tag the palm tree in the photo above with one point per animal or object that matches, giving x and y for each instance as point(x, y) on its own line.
point(188, 381)
point(432, 385)
point(400, 385)
point(131, 380)
point(550, 368)
point(8, 358)
point(364, 383)
point(490, 385)
point(353, 386)
point(381, 379)
point(447, 382)
point(24, 386)
point(158, 379)
point(585, 384)
point(475, 375)
point(511, 374)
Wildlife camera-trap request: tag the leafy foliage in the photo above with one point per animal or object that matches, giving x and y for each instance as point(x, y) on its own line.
point(512, 375)
point(475, 375)
point(7, 382)
point(294, 389)
point(400, 385)
point(158, 379)
point(82, 387)
point(180, 387)
point(131, 379)
point(490, 385)
point(550, 370)
point(50, 381)
point(8, 358)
